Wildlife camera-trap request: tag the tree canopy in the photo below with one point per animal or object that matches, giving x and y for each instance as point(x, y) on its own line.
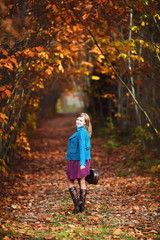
point(108, 49)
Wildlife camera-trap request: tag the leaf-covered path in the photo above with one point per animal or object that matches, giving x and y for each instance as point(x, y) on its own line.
point(35, 203)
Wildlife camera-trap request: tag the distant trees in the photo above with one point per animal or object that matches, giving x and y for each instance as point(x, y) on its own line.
point(126, 72)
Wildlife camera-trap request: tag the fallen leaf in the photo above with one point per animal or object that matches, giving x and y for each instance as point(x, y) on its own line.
point(117, 231)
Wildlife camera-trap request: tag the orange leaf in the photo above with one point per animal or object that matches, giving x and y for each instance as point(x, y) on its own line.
point(68, 19)
point(96, 14)
point(13, 60)
point(8, 93)
point(50, 237)
point(3, 116)
point(58, 19)
point(29, 53)
point(49, 6)
point(8, 65)
point(2, 88)
point(85, 16)
point(49, 70)
point(86, 64)
point(39, 49)
point(54, 8)
point(111, 3)
point(4, 52)
point(3, 95)
point(97, 231)
point(143, 23)
point(89, 6)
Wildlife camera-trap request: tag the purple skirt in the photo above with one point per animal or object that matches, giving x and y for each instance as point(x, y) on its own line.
point(74, 171)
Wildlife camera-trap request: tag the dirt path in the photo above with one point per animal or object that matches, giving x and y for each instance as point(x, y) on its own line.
point(35, 203)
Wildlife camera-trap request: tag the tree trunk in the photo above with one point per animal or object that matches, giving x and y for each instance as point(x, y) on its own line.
point(130, 67)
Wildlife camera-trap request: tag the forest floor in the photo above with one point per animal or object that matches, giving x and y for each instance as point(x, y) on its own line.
point(35, 202)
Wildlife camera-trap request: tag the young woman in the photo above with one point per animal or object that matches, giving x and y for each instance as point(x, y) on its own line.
point(78, 154)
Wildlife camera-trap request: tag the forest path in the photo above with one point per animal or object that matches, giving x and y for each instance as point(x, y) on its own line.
point(35, 202)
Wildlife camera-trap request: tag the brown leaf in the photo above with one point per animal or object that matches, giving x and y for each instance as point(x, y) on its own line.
point(117, 231)
point(89, 6)
point(85, 16)
point(6, 238)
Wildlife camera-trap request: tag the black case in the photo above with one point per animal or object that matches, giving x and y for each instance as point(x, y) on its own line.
point(93, 177)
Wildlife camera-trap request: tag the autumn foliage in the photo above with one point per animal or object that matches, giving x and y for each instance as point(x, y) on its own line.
point(107, 49)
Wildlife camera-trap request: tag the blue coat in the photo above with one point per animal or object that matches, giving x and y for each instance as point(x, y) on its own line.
point(79, 146)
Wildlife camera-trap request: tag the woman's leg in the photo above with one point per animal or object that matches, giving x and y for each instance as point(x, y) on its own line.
point(83, 193)
point(70, 182)
point(82, 183)
point(74, 195)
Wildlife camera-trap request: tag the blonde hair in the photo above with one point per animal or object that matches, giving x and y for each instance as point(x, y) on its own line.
point(87, 122)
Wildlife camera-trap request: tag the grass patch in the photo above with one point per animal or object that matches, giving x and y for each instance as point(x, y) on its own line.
point(97, 222)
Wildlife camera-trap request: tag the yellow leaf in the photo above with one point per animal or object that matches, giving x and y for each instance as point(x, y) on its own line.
point(158, 16)
point(157, 49)
point(123, 55)
point(60, 67)
point(142, 59)
point(101, 57)
point(117, 115)
point(95, 77)
point(43, 55)
point(86, 73)
point(143, 23)
point(141, 42)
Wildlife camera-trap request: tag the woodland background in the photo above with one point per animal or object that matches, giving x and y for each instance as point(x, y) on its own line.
point(106, 50)
point(107, 54)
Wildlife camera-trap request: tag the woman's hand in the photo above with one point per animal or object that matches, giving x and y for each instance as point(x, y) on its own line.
point(82, 167)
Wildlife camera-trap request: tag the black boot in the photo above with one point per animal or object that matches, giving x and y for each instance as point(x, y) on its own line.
point(75, 199)
point(83, 193)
